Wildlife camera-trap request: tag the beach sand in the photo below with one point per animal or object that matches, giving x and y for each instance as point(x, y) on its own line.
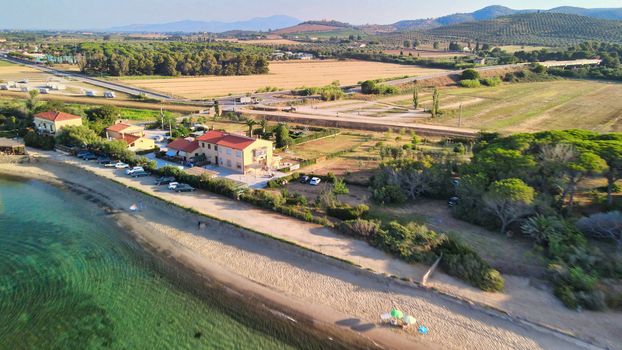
point(331, 292)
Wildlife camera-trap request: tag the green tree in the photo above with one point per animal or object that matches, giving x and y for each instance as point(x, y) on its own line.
point(509, 200)
point(436, 97)
point(611, 152)
point(469, 74)
point(31, 102)
point(250, 123)
point(585, 163)
point(264, 125)
point(339, 187)
point(282, 136)
point(216, 108)
point(77, 136)
point(416, 97)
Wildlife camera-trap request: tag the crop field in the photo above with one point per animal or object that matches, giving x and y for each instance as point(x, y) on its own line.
point(328, 145)
point(424, 53)
point(529, 107)
point(283, 75)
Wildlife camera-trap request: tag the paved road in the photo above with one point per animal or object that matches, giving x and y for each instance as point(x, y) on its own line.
point(93, 81)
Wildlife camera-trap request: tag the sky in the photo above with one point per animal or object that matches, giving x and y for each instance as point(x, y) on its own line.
point(101, 14)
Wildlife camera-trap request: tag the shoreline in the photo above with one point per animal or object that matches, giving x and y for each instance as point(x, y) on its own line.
point(518, 335)
point(234, 286)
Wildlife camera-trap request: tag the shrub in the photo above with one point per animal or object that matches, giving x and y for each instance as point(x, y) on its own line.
point(347, 212)
point(33, 139)
point(494, 81)
point(339, 187)
point(461, 261)
point(470, 83)
point(367, 229)
point(470, 74)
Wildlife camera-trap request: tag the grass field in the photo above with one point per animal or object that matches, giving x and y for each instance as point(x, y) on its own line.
point(284, 75)
point(529, 107)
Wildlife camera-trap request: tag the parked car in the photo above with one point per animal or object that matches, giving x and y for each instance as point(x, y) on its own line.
point(112, 164)
point(184, 188)
point(79, 154)
point(451, 202)
point(134, 170)
point(139, 174)
point(304, 179)
point(164, 180)
point(173, 185)
point(315, 181)
point(89, 156)
point(121, 165)
point(158, 138)
point(104, 160)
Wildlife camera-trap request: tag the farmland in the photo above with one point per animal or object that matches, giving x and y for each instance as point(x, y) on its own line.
point(284, 75)
point(552, 105)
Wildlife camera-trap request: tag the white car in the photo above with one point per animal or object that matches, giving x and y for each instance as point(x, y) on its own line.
point(134, 170)
point(173, 185)
point(121, 165)
point(315, 181)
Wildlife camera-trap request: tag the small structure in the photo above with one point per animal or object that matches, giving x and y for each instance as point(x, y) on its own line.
point(479, 60)
point(51, 122)
point(11, 147)
point(133, 135)
point(184, 149)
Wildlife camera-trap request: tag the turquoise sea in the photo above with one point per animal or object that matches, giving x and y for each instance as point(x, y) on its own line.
point(70, 279)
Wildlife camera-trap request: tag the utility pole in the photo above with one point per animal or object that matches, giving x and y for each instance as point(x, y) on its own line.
point(161, 119)
point(460, 117)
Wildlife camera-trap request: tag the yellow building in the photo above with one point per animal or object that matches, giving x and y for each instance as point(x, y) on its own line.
point(133, 135)
point(116, 131)
point(51, 122)
point(236, 152)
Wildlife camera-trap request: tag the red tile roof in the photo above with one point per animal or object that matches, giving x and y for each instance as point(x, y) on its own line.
point(118, 127)
point(184, 145)
point(129, 139)
point(56, 116)
point(226, 140)
point(211, 136)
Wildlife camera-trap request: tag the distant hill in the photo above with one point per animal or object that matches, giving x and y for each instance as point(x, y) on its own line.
point(314, 26)
point(255, 24)
point(544, 28)
point(495, 11)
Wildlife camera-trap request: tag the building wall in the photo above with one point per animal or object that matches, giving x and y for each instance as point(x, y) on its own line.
point(259, 153)
point(53, 127)
point(209, 150)
point(231, 159)
point(142, 144)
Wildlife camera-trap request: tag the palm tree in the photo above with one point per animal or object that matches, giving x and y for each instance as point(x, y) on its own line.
point(250, 123)
point(264, 125)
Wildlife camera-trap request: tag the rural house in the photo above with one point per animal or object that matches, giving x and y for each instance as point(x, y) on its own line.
point(236, 152)
point(133, 135)
point(184, 149)
point(51, 122)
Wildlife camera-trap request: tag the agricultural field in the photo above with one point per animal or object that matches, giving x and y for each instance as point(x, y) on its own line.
point(530, 107)
point(424, 53)
point(283, 75)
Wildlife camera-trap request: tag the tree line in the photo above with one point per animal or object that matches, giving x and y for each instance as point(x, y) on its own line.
point(166, 58)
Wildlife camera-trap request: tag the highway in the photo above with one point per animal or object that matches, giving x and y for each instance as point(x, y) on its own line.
point(93, 81)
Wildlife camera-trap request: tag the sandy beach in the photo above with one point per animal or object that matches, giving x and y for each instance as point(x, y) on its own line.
point(333, 293)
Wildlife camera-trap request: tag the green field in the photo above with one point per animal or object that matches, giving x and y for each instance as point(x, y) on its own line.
point(529, 107)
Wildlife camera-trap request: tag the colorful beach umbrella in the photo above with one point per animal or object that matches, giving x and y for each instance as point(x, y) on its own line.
point(396, 313)
point(409, 320)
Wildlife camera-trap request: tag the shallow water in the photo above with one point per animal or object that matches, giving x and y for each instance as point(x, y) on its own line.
point(69, 279)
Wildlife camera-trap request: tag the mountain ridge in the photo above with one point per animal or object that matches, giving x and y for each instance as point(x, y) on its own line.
point(191, 26)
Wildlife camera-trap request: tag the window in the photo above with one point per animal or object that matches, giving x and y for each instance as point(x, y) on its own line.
point(208, 146)
point(239, 166)
point(228, 151)
point(203, 144)
point(215, 147)
point(228, 163)
point(238, 154)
